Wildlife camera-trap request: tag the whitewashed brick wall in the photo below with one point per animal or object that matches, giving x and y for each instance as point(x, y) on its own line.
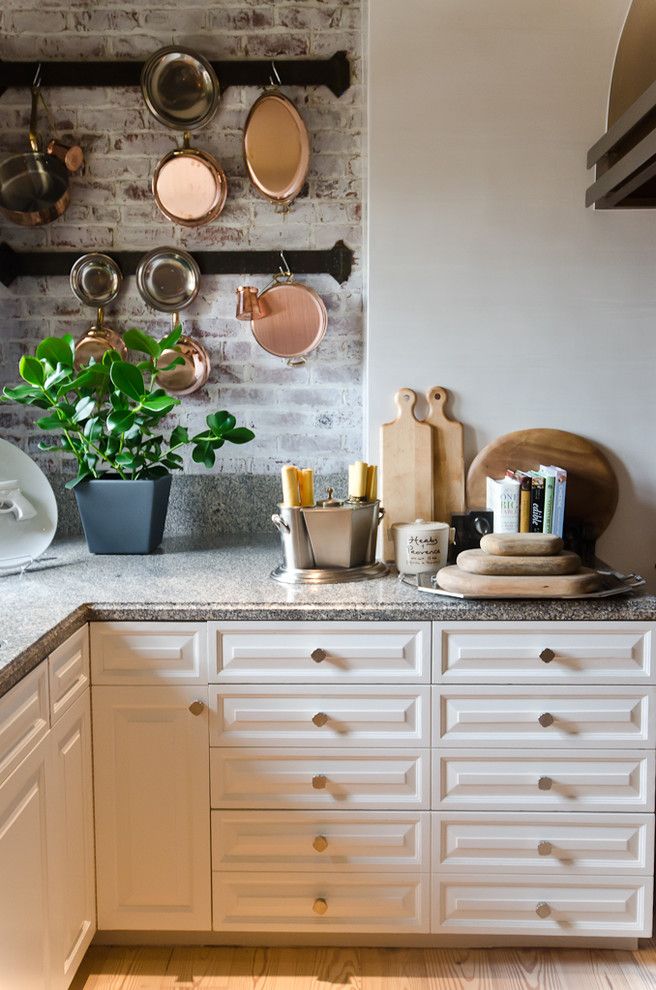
point(311, 415)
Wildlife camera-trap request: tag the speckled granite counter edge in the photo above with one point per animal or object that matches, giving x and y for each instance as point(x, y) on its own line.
point(636, 609)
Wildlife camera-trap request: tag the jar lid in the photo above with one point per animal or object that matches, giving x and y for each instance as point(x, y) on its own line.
point(425, 524)
point(330, 502)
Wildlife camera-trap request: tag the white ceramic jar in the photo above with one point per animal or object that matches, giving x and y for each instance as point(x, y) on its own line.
point(421, 547)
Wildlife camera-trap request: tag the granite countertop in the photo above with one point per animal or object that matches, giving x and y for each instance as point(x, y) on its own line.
point(42, 607)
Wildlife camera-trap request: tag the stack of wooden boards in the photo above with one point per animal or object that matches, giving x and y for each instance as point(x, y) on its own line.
point(519, 565)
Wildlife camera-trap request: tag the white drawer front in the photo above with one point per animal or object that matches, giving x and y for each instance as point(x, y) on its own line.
point(374, 779)
point(500, 780)
point(265, 652)
point(563, 844)
point(148, 653)
point(24, 719)
point(68, 669)
point(503, 652)
point(573, 906)
point(320, 841)
point(292, 902)
point(331, 715)
point(569, 717)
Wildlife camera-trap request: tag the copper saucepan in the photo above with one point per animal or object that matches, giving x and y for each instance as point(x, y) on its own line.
point(287, 319)
point(276, 148)
point(168, 280)
point(33, 186)
point(96, 280)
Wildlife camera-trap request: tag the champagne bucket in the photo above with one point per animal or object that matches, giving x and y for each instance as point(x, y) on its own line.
point(343, 536)
point(296, 547)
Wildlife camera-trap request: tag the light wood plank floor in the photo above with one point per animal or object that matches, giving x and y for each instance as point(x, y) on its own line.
point(204, 968)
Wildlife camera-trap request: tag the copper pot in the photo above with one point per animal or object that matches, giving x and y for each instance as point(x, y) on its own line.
point(189, 186)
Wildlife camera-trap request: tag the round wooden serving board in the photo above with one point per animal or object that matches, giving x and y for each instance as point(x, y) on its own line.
point(479, 562)
point(592, 489)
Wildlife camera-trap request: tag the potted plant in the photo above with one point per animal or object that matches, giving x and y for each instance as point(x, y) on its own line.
point(108, 415)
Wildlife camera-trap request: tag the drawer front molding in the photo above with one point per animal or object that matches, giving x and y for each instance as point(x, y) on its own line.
point(320, 841)
point(148, 653)
point(274, 902)
point(368, 779)
point(68, 671)
point(567, 717)
point(280, 715)
point(551, 652)
point(542, 906)
point(614, 845)
point(316, 652)
point(501, 780)
point(24, 719)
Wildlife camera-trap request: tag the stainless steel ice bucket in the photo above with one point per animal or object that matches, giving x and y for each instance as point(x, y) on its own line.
point(336, 537)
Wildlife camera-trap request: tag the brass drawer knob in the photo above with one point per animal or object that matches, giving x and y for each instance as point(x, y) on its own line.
point(319, 781)
point(544, 848)
point(546, 719)
point(320, 843)
point(196, 707)
point(543, 910)
point(545, 783)
point(320, 719)
point(547, 655)
point(318, 655)
point(320, 906)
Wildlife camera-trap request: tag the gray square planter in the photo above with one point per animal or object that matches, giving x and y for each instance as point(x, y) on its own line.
point(123, 516)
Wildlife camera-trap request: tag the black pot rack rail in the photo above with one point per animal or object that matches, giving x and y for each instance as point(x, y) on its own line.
point(333, 72)
point(336, 261)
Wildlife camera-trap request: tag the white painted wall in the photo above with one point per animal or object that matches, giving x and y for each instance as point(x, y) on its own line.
point(486, 273)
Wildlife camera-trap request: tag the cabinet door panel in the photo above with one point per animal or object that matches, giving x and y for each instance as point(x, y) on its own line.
point(24, 719)
point(72, 831)
point(68, 670)
point(26, 877)
point(152, 808)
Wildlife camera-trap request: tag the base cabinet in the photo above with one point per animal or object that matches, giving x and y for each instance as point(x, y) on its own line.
point(27, 882)
point(151, 774)
point(71, 830)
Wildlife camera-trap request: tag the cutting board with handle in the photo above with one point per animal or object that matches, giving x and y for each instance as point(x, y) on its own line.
point(406, 457)
point(448, 457)
point(592, 488)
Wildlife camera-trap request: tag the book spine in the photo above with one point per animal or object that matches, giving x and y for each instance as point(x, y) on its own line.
point(524, 503)
point(549, 486)
point(537, 504)
point(559, 502)
point(503, 499)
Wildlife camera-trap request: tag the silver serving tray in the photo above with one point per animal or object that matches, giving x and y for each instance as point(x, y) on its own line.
point(614, 584)
point(329, 575)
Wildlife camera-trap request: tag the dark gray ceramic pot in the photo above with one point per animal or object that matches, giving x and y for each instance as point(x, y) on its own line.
point(123, 516)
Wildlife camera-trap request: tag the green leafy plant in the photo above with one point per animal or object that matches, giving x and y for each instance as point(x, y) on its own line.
point(107, 414)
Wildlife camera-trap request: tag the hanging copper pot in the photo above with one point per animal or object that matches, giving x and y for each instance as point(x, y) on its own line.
point(96, 281)
point(189, 185)
point(276, 148)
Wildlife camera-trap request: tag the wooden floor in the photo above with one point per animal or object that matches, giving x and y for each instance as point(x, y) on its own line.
point(366, 969)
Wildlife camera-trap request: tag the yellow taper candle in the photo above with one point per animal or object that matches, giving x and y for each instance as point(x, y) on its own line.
point(290, 490)
point(306, 486)
point(372, 483)
point(357, 480)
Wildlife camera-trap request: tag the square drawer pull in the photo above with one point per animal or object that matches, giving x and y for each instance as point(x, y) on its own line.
point(545, 783)
point(543, 910)
point(319, 781)
point(547, 655)
point(320, 905)
point(320, 719)
point(320, 843)
point(546, 719)
point(318, 655)
point(544, 848)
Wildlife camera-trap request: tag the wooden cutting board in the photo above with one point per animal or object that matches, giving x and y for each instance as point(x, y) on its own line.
point(448, 457)
point(592, 489)
point(521, 544)
point(406, 457)
point(567, 586)
point(479, 562)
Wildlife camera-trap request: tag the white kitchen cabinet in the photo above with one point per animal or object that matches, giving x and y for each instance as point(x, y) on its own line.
point(27, 876)
point(24, 719)
point(70, 820)
point(68, 672)
point(148, 653)
point(151, 779)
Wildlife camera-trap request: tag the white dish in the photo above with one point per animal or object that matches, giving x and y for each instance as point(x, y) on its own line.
point(24, 534)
